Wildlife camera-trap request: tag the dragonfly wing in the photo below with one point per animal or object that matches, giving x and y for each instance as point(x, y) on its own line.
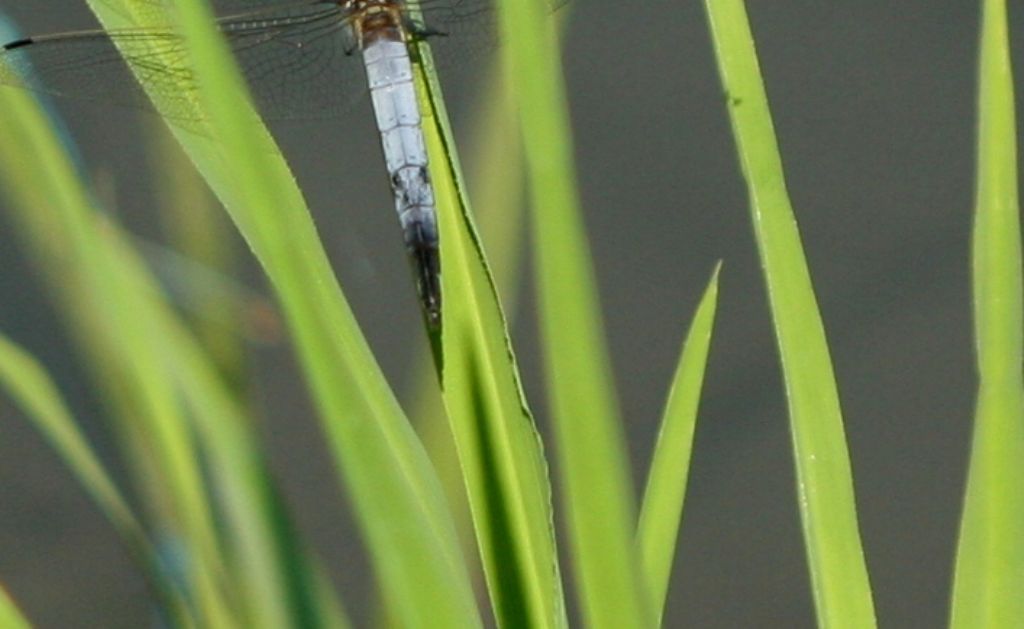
point(304, 63)
point(88, 65)
point(468, 29)
point(295, 57)
point(298, 56)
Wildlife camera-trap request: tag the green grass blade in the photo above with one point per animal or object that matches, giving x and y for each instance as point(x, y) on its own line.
point(197, 228)
point(592, 448)
point(27, 383)
point(72, 229)
point(217, 593)
point(494, 178)
point(495, 167)
point(839, 579)
point(31, 387)
point(10, 616)
point(495, 181)
point(398, 501)
point(40, 176)
point(989, 583)
point(662, 507)
point(498, 445)
point(282, 587)
point(268, 560)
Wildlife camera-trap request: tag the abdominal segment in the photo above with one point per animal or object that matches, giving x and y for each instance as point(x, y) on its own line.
point(389, 71)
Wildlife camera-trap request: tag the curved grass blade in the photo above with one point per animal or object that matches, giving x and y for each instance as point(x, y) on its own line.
point(197, 228)
point(279, 581)
point(38, 173)
point(398, 502)
point(28, 383)
point(281, 586)
point(839, 579)
point(495, 176)
point(662, 507)
point(989, 579)
point(498, 445)
point(218, 595)
point(592, 448)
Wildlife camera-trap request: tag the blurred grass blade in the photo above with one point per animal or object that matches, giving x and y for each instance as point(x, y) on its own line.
point(591, 442)
point(40, 177)
point(499, 449)
point(217, 594)
point(989, 583)
point(67, 243)
point(662, 507)
point(197, 228)
point(839, 579)
point(30, 386)
point(280, 583)
point(267, 557)
point(50, 242)
point(10, 616)
point(495, 181)
point(398, 501)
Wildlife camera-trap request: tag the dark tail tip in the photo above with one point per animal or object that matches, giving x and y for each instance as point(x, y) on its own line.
point(426, 261)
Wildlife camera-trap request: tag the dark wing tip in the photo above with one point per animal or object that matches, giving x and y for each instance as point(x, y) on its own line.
point(21, 43)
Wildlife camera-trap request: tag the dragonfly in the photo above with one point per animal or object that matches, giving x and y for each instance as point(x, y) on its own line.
point(301, 59)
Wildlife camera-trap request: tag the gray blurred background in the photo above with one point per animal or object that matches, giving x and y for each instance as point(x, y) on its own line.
point(874, 106)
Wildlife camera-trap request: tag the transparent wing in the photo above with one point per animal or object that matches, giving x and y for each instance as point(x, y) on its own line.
point(295, 57)
point(299, 58)
point(468, 29)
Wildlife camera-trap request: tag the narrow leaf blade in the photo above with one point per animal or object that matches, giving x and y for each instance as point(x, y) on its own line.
point(598, 490)
point(499, 448)
point(662, 507)
point(38, 173)
point(990, 555)
point(270, 564)
point(31, 387)
point(839, 578)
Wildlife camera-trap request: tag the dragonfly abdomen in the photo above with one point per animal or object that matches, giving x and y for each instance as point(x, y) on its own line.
point(389, 71)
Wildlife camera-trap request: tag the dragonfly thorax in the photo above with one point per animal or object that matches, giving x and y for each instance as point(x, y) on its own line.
point(372, 20)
